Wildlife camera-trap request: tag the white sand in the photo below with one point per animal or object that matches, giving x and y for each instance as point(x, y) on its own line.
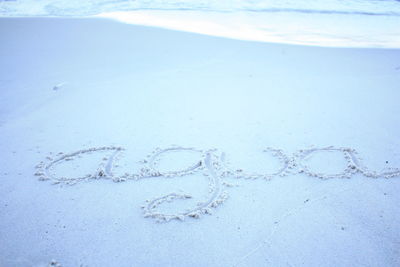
point(72, 85)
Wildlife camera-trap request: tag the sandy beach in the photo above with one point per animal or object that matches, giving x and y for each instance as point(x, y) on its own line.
point(103, 100)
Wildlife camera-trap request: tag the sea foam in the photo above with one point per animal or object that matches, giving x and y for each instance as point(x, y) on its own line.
point(363, 23)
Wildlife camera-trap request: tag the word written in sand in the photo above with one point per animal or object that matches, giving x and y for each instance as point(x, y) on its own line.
point(211, 163)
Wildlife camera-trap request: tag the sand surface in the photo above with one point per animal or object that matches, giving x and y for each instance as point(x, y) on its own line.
point(182, 120)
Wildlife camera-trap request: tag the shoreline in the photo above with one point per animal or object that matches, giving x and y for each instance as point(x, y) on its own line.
point(316, 30)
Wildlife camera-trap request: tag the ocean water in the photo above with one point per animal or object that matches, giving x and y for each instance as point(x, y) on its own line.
point(352, 23)
point(93, 7)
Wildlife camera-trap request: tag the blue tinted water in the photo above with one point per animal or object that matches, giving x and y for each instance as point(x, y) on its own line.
point(359, 23)
point(92, 7)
